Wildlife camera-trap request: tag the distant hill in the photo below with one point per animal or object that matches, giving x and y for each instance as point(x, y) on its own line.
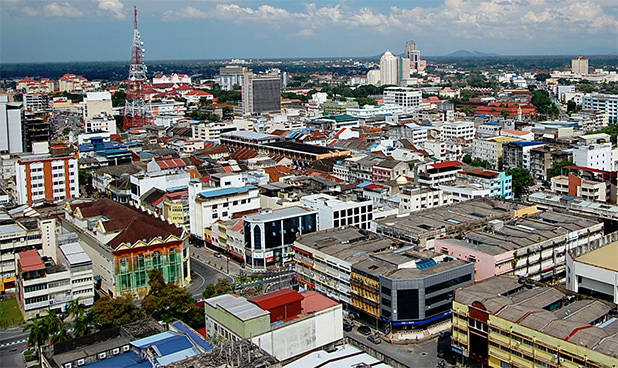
point(468, 53)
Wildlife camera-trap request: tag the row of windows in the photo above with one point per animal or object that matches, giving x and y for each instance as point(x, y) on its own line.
point(37, 287)
point(36, 299)
point(79, 281)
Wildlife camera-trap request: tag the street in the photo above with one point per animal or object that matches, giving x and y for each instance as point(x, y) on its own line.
point(202, 275)
point(12, 345)
point(206, 255)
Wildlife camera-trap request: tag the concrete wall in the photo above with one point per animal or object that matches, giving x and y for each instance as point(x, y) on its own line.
point(303, 335)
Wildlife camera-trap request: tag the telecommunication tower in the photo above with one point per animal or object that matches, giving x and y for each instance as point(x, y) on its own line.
point(137, 110)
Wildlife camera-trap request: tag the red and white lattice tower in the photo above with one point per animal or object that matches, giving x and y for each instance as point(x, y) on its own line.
point(137, 110)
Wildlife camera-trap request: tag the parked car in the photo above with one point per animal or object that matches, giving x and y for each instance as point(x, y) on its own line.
point(374, 339)
point(348, 326)
point(364, 330)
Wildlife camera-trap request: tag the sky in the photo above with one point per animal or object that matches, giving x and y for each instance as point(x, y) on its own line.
point(101, 30)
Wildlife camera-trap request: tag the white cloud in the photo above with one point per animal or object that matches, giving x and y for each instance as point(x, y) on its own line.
point(184, 13)
point(115, 7)
point(304, 33)
point(472, 19)
point(62, 10)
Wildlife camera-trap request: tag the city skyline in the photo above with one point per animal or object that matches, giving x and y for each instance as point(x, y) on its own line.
point(219, 29)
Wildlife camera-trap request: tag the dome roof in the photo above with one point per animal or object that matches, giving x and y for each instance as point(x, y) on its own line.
point(401, 180)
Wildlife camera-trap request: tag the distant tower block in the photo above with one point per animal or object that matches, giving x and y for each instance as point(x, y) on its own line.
point(137, 110)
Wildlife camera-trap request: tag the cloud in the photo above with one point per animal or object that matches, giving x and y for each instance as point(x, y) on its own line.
point(188, 12)
point(30, 11)
point(469, 19)
point(62, 10)
point(115, 7)
point(304, 33)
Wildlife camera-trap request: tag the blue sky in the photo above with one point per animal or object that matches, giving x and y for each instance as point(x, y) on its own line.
point(101, 30)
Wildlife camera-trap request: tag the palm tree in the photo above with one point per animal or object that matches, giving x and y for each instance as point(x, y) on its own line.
point(63, 333)
point(82, 325)
point(75, 309)
point(39, 334)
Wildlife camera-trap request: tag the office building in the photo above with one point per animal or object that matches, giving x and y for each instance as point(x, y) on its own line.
point(532, 247)
point(36, 128)
point(45, 178)
point(594, 273)
point(212, 203)
point(211, 131)
point(334, 212)
point(503, 322)
point(602, 102)
point(11, 140)
point(230, 76)
point(285, 323)
point(45, 284)
point(596, 156)
point(261, 93)
point(401, 287)
point(406, 97)
point(579, 65)
point(458, 129)
point(125, 243)
point(490, 149)
point(270, 234)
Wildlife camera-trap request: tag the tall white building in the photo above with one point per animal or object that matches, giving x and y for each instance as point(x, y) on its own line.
point(96, 103)
point(458, 129)
point(10, 126)
point(102, 123)
point(595, 156)
point(46, 178)
point(602, 102)
point(333, 212)
point(407, 97)
point(389, 69)
point(579, 65)
point(261, 93)
point(373, 77)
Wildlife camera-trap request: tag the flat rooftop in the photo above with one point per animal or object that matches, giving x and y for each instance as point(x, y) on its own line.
point(605, 257)
point(453, 216)
point(301, 147)
point(547, 310)
point(237, 306)
point(278, 214)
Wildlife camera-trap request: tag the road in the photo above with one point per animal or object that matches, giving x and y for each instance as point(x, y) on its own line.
point(12, 345)
point(421, 355)
point(202, 275)
point(206, 255)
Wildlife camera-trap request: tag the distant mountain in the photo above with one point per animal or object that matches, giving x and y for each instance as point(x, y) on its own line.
point(468, 53)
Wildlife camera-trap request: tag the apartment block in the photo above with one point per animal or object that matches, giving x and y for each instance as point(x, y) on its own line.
point(603, 102)
point(416, 198)
point(594, 273)
point(406, 97)
point(45, 178)
point(458, 129)
point(573, 185)
point(444, 172)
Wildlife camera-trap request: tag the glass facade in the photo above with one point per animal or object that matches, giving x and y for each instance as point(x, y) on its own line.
point(131, 271)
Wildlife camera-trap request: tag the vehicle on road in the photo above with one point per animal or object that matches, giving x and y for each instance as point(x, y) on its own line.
point(218, 255)
point(374, 339)
point(348, 326)
point(364, 330)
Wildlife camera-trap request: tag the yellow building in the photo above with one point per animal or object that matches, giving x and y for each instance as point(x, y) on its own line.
point(174, 211)
point(503, 323)
point(365, 292)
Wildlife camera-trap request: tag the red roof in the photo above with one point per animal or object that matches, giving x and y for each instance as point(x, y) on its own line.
point(315, 302)
point(277, 298)
point(30, 260)
point(583, 168)
point(170, 164)
point(444, 164)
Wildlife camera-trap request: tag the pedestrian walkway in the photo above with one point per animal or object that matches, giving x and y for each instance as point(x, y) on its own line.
point(411, 336)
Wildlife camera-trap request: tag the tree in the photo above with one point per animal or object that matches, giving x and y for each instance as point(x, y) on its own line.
point(521, 180)
point(113, 312)
point(75, 309)
point(544, 105)
point(572, 107)
point(39, 334)
point(542, 77)
point(557, 168)
point(467, 159)
point(119, 98)
point(505, 113)
point(168, 302)
point(468, 110)
point(82, 325)
point(223, 286)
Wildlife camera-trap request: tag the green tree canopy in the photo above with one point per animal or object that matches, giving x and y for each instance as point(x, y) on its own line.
point(113, 312)
point(557, 168)
point(521, 181)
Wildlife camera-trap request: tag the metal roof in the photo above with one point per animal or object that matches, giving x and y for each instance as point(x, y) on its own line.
point(237, 306)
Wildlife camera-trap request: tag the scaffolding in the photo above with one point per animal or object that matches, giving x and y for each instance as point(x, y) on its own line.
point(234, 354)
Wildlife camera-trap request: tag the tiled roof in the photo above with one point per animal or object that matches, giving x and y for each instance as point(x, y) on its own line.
point(30, 260)
point(132, 224)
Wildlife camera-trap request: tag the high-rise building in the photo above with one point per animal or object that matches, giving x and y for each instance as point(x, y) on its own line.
point(229, 76)
point(602, 102)
point(389, 69)
point(412, 53)
point(373, 77)
point(10, 126)
point(579, 65)
point(96, 103)
point(261, 93)
point(36, 128)
point(406, 97)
